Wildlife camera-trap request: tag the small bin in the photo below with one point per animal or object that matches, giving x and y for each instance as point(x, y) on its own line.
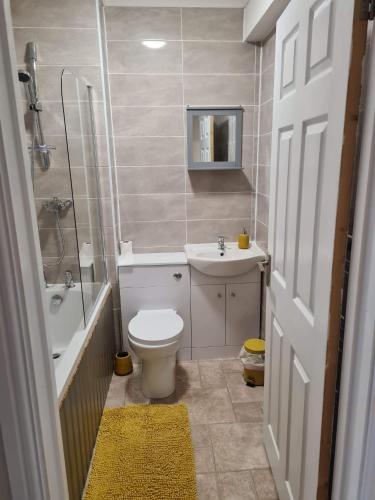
point(252, 357)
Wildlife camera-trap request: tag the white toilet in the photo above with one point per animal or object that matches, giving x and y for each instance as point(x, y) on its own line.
point(154, 336)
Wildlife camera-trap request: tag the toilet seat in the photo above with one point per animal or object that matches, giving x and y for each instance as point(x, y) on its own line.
point(155, 327)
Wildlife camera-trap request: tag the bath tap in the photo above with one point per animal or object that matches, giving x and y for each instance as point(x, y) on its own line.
point(68, 279)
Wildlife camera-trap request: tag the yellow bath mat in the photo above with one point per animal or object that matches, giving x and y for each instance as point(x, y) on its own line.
point(143, 452)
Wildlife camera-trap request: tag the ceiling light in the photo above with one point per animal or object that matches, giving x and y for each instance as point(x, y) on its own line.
point(153, 44)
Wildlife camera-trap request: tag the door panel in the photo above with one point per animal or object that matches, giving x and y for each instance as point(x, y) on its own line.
point(208, 315)
point(313, 50)
point(242, 312)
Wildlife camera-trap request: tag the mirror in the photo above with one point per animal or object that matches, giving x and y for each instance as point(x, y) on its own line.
point(214, 138)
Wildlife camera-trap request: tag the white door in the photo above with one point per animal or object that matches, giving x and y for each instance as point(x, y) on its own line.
point(313, 50)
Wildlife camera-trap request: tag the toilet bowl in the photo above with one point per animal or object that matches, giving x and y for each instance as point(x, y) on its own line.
point(154, 336)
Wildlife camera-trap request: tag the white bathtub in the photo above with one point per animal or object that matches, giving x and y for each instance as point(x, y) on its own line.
point(67, 330)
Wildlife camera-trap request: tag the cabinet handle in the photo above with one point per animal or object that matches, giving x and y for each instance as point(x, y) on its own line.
point(219, 295)
point(178, 276)
point(232, 294)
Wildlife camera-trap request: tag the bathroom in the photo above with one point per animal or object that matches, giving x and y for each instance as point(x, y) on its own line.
point(180, 177)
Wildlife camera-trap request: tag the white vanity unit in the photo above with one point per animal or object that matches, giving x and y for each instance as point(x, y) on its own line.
point(220, 307)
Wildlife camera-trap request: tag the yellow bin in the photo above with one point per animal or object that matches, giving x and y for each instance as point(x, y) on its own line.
point(254, 370)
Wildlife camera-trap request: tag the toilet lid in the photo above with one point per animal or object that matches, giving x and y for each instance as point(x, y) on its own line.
point(155, 326)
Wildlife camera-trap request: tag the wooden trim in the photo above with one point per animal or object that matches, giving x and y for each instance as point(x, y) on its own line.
point(339, 254)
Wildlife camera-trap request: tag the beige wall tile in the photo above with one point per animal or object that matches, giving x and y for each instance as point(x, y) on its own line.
point(146, 90)
point(144, 180)
point(50, 13)
point(226, 90)
point(59, 46)
point(146, 151)
point(149, 234)
point(160, 121)
point(51, 244)
point(217, 57)
point(207, 231)
point(267, 84)
point(153, 207)
point(132, 23)
point(52, 182)
point(263, 180)
point(262, 235)
point(266, 117)
point(218, 206)
point(219, 181)
point(265, 142)
point(263, 207)
point(134, 57)
point(212, 24)
point(268, 51)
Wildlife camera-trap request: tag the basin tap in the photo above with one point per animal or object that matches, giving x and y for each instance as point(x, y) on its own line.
point(221, 243)
point(68, 279)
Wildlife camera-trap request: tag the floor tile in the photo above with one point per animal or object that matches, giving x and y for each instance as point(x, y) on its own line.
point(187, 374)
point(264, 484)
point(231, 365)
point(207, 487)
point(207, 406)
point(200, 436)
point(236, 486)
point(248, 412)
point(204, 460)
point(234, 378)
point(238, 446)
point(211, 373)
point(245, 394)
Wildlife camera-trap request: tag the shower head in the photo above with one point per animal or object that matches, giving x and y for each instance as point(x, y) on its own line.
point(31, 51)
point(24, 76)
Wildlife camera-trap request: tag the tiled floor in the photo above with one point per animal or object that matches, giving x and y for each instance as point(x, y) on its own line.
point(226, 420)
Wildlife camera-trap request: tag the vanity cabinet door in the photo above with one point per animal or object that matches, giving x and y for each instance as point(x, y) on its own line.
point(208, 315)
point(242, 312)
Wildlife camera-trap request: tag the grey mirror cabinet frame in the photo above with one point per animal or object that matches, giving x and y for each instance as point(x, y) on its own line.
point(237, 112)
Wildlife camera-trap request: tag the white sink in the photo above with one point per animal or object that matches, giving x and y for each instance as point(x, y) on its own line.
point(208, 259)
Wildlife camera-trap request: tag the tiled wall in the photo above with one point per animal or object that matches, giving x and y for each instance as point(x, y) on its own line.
point(204, 62)
point(264, 138)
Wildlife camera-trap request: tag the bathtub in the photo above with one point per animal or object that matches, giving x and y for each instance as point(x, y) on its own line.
point(67, 330)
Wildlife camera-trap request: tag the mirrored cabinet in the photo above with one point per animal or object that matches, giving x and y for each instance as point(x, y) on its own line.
point(214, 138)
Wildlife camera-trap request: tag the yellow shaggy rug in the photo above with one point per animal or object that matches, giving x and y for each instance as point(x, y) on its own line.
point(143, 452)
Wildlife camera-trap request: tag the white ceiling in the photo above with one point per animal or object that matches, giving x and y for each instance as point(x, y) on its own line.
point(177, 3)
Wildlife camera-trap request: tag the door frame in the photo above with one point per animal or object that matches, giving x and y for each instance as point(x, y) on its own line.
point(355, 448)
point(31, 454)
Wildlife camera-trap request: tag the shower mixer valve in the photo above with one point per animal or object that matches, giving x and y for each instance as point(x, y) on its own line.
point(57, 204)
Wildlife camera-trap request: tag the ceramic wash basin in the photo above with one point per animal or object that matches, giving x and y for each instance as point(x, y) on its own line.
point(209, 259)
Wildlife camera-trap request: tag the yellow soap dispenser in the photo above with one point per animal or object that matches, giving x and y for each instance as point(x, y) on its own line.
point(243, 240)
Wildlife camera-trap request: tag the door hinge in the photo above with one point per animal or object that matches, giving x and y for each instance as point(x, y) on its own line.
point(265, 267)
point(367, 10)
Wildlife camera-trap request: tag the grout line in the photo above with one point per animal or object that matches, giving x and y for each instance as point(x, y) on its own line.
point(55, 28)
point(177, 73)
point(238, 42)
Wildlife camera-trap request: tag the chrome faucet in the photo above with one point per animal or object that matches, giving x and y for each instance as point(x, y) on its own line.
point(68, 279)
point(221, 243)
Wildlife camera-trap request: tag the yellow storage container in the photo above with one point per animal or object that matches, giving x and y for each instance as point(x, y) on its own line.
point(252, 356)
